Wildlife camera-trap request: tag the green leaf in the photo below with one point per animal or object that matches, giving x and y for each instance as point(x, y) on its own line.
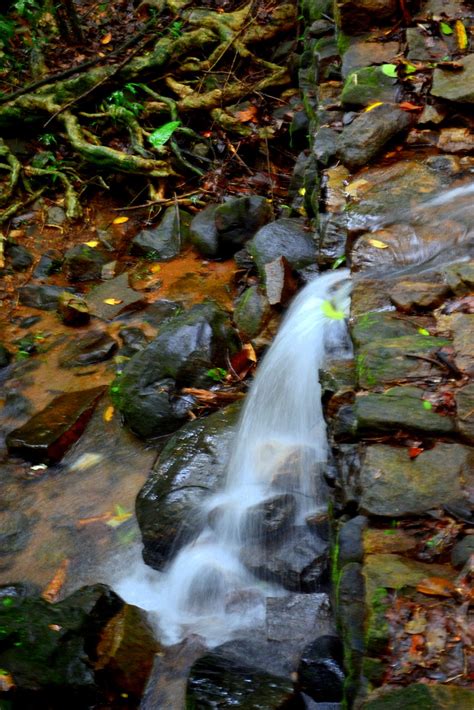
point(331, 312)
point(445, 28)
point(163, 133)
point(427, 405)
point(409, 68)
point(337, 262)
point(423, 331)
point(217, 374)
point(390, 70)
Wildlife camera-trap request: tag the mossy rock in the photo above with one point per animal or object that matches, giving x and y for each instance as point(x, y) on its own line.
point(367, 85)
point(419, 696)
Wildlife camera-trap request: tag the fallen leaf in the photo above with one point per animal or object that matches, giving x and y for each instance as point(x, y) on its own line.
point(52, 590)
point(445, 28)
point(155, 268)
point(120, 220)
point(436, 586)
point(113, 301)
point(109, 414)
point(83, 522)
point(407, 106)
point(106, 39)
point(331, 312)
point(414, 451)
point(461, 35)
point(390, 70)
point(121, 516)
point(372, 106)
point(248, 348)
point(93, 243)
point(377, 244)
point(248, 114)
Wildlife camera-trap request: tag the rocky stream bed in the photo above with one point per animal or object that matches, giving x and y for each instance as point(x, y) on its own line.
point(129, 339)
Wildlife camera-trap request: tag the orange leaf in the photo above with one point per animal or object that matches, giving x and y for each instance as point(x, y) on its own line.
point(407, 106)
point(120, 220)
point(248, 348)
point(247, 114)
point(414, 451)
point(107, 38)
point(109, 414)
point(437, 586)
point(52, 590)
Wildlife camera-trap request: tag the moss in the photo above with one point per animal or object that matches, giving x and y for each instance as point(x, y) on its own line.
point(377, 629)
point(343, 42)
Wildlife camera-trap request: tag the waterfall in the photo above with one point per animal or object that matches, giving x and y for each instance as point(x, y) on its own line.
point(276, 463)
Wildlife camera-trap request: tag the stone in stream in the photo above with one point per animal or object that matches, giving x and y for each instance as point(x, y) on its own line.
point(165, 240)
point(42, 296)
point(280, 282)
point(251, 312)
point(15, 531)
point(420, 695)
point(400, 408)
point(392, 484)
point(73, 310)
point(88, 349)
point(367, 85)
point(134, 340)
point(455, 86)
point(365, 137)
point(19, 258)
point(267, 520)
point(83, 263)
point(49, 649)
point(114, 298)
point(49, 433)
point(355, 16)
point(190, 468)
point(460, 278)
point(187, 346)
point(418, 295)
point(464, 398)
point(320, 670)
point(5, 356)
point(284, 237)
point(363, 53)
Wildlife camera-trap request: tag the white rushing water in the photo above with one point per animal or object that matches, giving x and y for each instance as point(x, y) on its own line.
point(280, 448)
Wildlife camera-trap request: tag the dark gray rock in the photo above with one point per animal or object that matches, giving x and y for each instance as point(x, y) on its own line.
point(83, 263)
point(365, 137)
point(134, 340)
point(164, 241)
point(121, 299)
point(363, 53)
point(18, 257)
point(320, 670)
point(49, 263)
point(269, 519)
point(369, 84)
point(158, 311)
point(424, 48)
point(298, 617)
point(5, 356)
point(188, 345)
point(203, 232)
point(190, 468)
point(298, 562)
point(325, 145)
point(350, 540)
point(96, 346)
point(455, 86)
point(392, 484)
point(284, 237)
point(462, 551)
point(332, 240)
point(41, 296)
point(251, 312)
point(465, 412)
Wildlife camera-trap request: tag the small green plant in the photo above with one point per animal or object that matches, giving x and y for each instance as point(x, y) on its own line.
point(120, 99)
point(218, 374)
point(48, 139)
point(176, 29)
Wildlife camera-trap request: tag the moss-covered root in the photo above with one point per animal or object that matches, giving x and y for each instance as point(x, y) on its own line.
point(12, 164)
point(73, 207)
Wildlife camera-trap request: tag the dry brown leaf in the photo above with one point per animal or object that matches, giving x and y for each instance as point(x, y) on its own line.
point(106, 39)
point(52, 590)
point(436, 586)
point(248, 114)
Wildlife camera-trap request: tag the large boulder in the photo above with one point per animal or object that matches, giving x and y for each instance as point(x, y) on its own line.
point(165, 240)
point(187, 346)
point(190, 468)
point(284, 237)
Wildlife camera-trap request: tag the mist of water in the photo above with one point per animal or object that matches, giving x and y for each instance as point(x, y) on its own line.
point(280, 450)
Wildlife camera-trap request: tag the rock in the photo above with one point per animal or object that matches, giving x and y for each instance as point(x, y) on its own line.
point(363, 53)
point(320, 670)
point(73, 310)
point(164, 241)
point(95, 346)
point(355, 16)
point(351, 614)
point(56, 215)
point(462, 551)
point(15, 531)
point(392, 484)
point(218, 682)
point(456, 140)
point(221, 230)
point(379, 326)
point(269, 519)
point(391, 360)
point(83, 263)
point(462, 329)
point(455, 86)
point(203, 232)
point(460, 278)
point(332, 241)
point(49, 649)
point(424, 48)
point(325, 145)
point(5, 356)
point(134, 340)
point(365, 137)
point(464, 398)
point(187, 346)
point(49, 433)
point(431, 115)
point(251, 312)
point(350, 542)
point(158, 311)
point(284, 237)
point(40, 296)
point(50, 262)
point(114, 298)
point(399, 408)
point(298, 562)
point(419, 695)
point(18, 257)
point(366, 85)
point(280, 283)
point(297, 617)
point(418, 295)
point(191, 467)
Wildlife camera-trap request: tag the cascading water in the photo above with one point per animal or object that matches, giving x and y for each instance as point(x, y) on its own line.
point(275, 467)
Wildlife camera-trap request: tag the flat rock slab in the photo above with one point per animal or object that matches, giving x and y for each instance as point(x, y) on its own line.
point(392, 484)
point(298, 617)
point(455, 86)
point(49, 433)
point(114, 298)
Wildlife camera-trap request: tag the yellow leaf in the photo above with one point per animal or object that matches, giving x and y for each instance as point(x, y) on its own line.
point(302, 191)
point(120, 220)
point(108, 414)
point(372, 106)
point(92, 243)
point(378, 244)
point(107, 38)
point(461, 35)
point(113, 301)
point(155, 268)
